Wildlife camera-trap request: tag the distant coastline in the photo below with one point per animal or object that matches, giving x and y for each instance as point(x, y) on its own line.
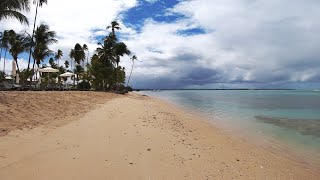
point(237, 89)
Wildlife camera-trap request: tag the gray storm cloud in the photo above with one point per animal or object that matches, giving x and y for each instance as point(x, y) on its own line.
point(259, 42)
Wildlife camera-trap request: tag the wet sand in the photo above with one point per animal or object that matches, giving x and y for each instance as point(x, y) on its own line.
point(138, 137)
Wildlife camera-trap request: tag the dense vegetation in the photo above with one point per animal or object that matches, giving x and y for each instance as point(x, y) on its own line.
point(103, 73)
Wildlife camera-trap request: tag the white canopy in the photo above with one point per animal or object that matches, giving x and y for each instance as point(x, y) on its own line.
point(48, 70)
point(67, 74)
point(8, 78)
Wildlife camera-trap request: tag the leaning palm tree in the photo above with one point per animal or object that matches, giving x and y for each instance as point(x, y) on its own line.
point(133, 58)
point(13, 8)
point(38, 3)
point(58, 56)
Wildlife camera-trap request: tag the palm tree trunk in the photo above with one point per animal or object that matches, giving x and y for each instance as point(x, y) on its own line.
point(4, 60)
point(117, 73)
point(17, 65)
point(1, 54)
point(34, 27)
point(130, 73)
point(34, 62)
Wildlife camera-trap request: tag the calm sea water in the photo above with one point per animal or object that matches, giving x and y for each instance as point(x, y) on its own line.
point(283, 120)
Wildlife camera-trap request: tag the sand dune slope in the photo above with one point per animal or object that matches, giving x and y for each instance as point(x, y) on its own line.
point(19, 109)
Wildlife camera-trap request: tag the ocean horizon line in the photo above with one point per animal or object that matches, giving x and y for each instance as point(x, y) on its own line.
point(249, 89)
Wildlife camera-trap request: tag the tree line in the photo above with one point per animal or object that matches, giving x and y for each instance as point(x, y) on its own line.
point(104, 71)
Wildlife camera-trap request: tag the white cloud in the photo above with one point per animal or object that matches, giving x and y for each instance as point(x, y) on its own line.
point(257, 41)
point(74, 21)
point(244, 40)
point(8, 65)
point(151, 1)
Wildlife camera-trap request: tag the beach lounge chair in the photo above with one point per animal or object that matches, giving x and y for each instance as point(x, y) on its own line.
point(16, 86)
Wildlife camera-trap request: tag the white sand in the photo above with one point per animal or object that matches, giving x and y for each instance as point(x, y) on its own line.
point(137, 137)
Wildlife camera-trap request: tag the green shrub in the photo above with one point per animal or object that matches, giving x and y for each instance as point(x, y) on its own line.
point(2, 76)
point(84, 85)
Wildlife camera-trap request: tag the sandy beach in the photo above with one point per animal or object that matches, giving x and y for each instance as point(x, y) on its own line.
point(89, 135)
point(26, 110)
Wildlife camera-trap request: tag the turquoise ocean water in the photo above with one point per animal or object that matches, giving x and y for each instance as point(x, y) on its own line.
point(281, 120)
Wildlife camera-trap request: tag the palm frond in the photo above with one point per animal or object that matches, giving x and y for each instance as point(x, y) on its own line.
point(6, 14)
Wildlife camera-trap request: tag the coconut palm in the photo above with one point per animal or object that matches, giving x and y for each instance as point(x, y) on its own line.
point(43, 37)
point(78, 70)
point(1, 48)
point(58, 56)
point(13, 8)
point(85, 48)
point(18, 46)
point(106, 50)
point(66, 63)
point(77, 53)
point(5, 45)
point(38, 3)
point(114, 26)
point(120, 49)
point(2, 76)
point(133, 58)
point(51, 62)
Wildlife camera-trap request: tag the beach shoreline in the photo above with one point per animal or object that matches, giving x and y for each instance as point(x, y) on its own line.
point(140, 137)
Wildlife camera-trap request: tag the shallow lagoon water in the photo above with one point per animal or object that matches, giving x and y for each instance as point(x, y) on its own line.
point(283, 120)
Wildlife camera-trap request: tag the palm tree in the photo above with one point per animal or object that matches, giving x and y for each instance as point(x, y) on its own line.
point(58, 56)
point(43, 37)
point(66, 63)
point(78, 70)
point(5, 45)
point(13, 8)
point(1, 36)
point(120, 49)
point(2, 76)
point(77, 53)
point(85, 48)
point(51, 62)
point(133, 58)
point(18, 46)
point(114, 26)
point(38, 3)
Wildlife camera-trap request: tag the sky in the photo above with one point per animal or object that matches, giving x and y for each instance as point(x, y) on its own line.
point(196, 43)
